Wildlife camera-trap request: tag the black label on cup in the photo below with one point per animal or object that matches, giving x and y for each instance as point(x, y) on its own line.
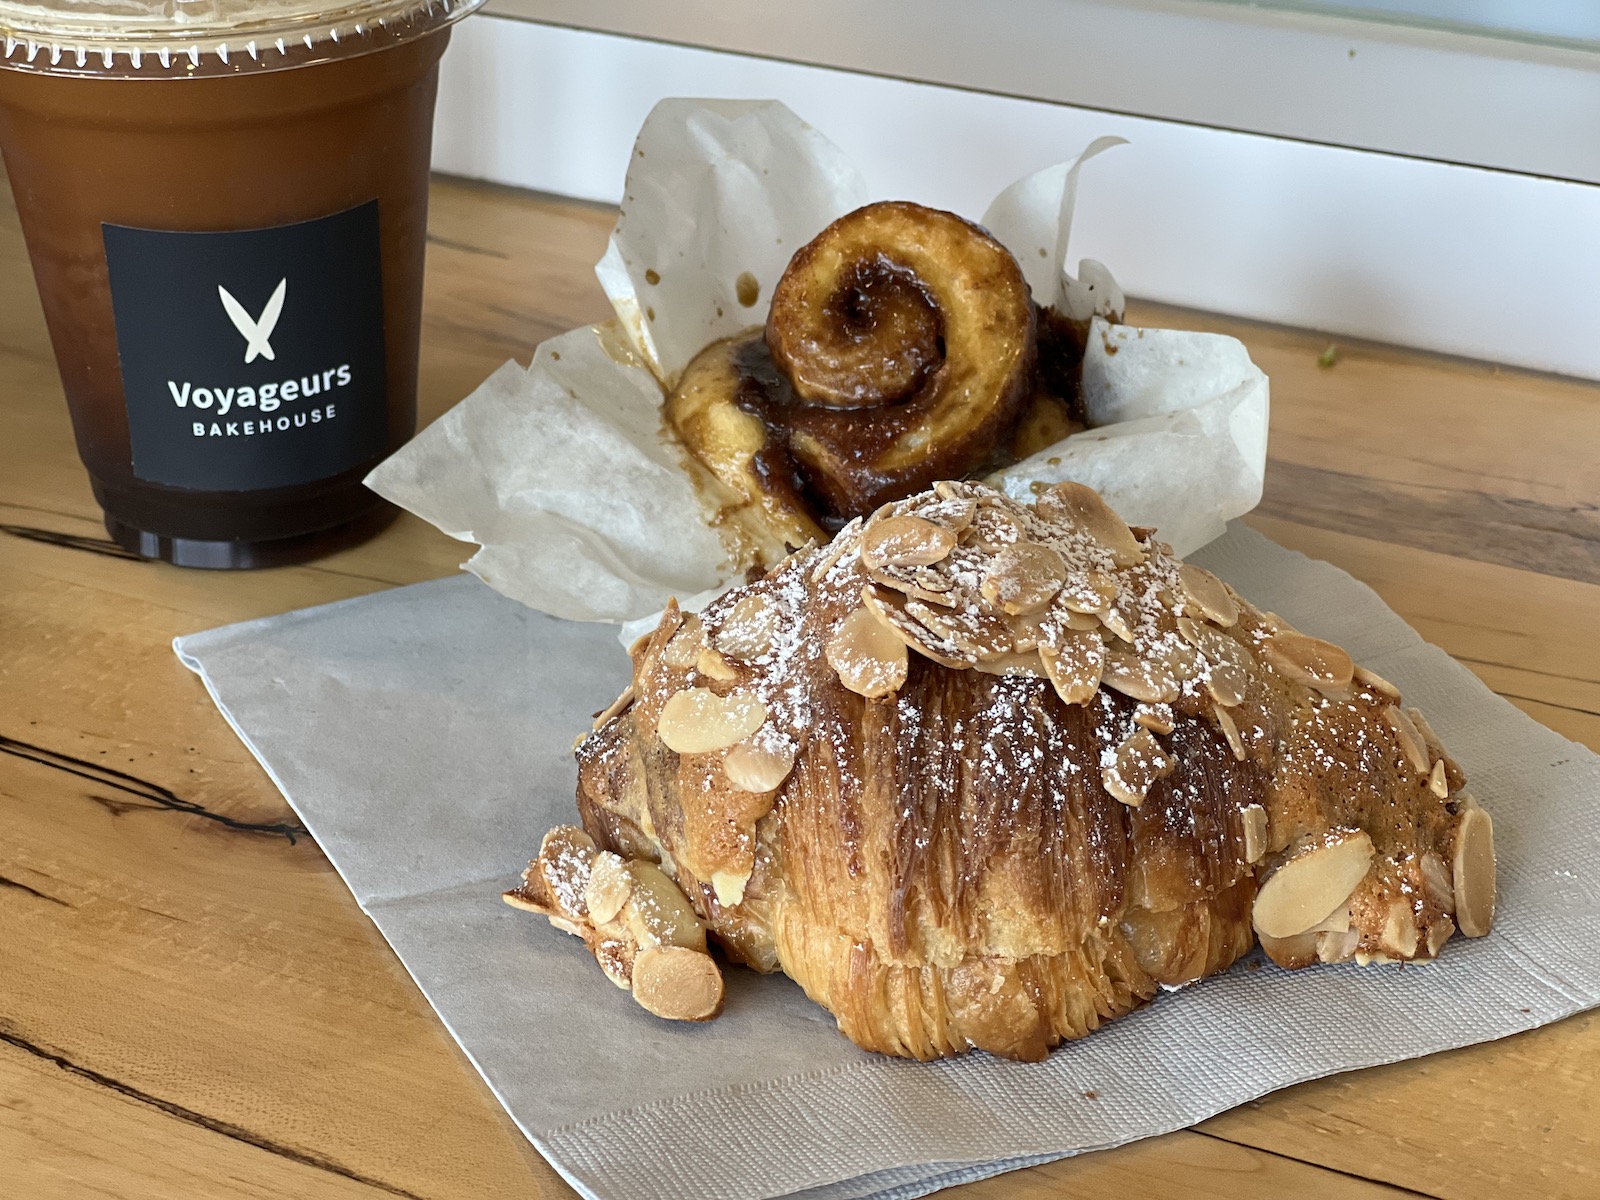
point(251, 358)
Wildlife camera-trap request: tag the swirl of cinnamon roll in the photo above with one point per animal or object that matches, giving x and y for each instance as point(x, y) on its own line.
point(899, 349)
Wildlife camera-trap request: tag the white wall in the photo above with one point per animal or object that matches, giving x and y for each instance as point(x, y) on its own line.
point(1483, 263)
point(1565, 20)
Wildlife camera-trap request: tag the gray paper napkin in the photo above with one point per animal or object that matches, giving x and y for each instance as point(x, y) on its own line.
point(424, 736)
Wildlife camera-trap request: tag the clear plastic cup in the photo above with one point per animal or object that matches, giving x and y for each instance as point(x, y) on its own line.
point(225, 204)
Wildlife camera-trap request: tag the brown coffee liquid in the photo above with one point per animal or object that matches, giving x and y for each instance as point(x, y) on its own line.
point(232, 152)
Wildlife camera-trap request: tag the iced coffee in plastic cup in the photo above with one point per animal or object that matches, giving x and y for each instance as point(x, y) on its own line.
point(225, 203)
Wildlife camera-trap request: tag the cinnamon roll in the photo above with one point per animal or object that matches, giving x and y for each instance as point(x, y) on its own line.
point(902, 346)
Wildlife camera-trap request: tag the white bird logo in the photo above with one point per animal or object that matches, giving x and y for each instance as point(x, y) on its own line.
point(256, 333)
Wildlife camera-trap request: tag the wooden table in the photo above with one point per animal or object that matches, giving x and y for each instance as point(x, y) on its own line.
point(192, 1005)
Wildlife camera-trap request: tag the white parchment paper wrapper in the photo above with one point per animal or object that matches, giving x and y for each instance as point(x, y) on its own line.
point(424, 736)
point(1179, 437)
point(560, 471)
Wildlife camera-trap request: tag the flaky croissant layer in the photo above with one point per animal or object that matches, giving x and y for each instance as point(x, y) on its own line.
point(986, 774)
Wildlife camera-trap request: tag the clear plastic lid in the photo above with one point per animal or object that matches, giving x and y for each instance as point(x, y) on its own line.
point(165, 39)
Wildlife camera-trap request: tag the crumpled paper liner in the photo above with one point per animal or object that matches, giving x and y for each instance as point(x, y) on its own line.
point(582, 508)
point(424, 737)
point(1155, 398)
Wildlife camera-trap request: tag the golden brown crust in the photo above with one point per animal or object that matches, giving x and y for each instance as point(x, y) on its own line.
point(1099, 771)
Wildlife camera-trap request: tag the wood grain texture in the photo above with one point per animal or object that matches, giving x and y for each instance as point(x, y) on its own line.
point(191, 1004)
point(1510, 530)
point(1189, 1164)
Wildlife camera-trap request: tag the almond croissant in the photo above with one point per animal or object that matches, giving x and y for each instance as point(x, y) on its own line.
point(985, 774)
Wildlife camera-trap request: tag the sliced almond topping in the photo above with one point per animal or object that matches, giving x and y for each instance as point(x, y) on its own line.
point(1338, 921)
point(1436, 883)
point(615, 956)
point(996, 525)
point(518, 898)
point(1292, 952)
point(1084, 507)
point(685, 646)
point(869, 658)
point(1410, 741)
point(1337, 947)
point(671, 621)
point(1253, 818)
point(1275, 624)
point(1028, 632)
point(712, 665)
point(1206, 593)
point(1182, 660)
point(748, 629)
point(1083, 622)
point(677, 983)
point(905, 542)
point(658, 913)
point(1229, 731)
point(1195, 633)
point(915, 581)
point(1400, 930)
point(759, 767)
point(610, 885)
point(1437, 783)
point(1141, 678)
point(566, 840)
point(1117, 622)
point(1157, 718)
point(981, 635)
point(1088, 591)
point(1074, 662)
point(616, 707)
point(1217, 646)
point(842, 543)
point(1227, 684)
point(729, 887)
point(1438, 934)
point(1304, 890)
point(1309, 661)
point(1023, 577)
point(890, 611)
point(1028, 663)
point(556, 880)
point(697, 720)
point(955, 513)
point(1140, 761)
point(1374, 682)
point(1473, 870)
